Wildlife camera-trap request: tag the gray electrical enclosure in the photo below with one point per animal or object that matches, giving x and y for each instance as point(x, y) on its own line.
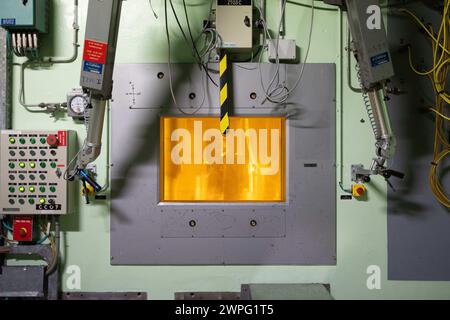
point(99, 46)
point(370, 41)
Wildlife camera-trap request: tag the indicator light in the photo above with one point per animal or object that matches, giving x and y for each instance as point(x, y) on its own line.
point(42, 189)
point(52, 189)
point(42, 200)
point(22, 141)
point(31, 201)
point(22, 189)
point(11, 165)
point(32, 165)
point(12, 140)
point(11, 189)
point(43, 140)
point(53, 165)
point(32, 189)
point(22, 165)
point(32, 140)
point(43, 165)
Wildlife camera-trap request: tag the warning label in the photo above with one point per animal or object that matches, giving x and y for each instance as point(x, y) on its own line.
point(95, 51)
point(62, 138)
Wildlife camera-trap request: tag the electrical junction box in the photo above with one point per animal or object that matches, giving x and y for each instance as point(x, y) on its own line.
point(370, 42)
point(287, 50)
point(32, 168)
point(26, 15)
point(234, 23)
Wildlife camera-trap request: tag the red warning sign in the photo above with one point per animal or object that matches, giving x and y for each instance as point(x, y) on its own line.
point(62, 138)
point(95, 51)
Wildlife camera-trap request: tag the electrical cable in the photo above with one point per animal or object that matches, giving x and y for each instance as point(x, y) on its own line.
point(169, 65)
point(194, 45)
point(438, 76)
point(277, 92)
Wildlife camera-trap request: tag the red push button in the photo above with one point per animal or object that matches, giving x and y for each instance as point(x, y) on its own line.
point(52, 140)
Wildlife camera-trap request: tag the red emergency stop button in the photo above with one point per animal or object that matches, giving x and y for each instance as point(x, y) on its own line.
point(23, 232)
point(358, 190)
point(52, 140)
point(23, 229)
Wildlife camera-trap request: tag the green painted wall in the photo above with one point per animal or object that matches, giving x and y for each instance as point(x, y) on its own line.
point(361, 226)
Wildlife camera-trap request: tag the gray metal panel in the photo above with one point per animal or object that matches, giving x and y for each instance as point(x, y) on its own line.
point(5, 82)
point(20, 282)
point(418, 227)
point(104, 296)
point(300, 231)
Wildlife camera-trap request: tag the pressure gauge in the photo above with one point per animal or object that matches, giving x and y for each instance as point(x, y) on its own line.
point(77, 103)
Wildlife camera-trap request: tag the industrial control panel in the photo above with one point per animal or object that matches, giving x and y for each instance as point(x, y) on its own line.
point(234, 19)
point(29, 15)
point(32, 170)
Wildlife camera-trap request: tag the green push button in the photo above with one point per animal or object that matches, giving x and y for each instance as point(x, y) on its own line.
point(53, 165)
point(42, 189)
point(32, 140)
point(32, 189)
point(22, 189)
point(22, 141)
point(11, 189)
point(11, 165)
point(52, 189)
point(43, 165)
point(12, 140)
point(32, 165)
point(22, 165)
point(31, 201)
point(43, 140)
point(42, 200)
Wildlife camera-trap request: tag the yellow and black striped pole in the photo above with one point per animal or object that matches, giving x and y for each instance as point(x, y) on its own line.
point(225, 103)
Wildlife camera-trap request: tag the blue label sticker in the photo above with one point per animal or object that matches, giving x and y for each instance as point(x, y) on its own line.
point(8, 22)
point(93, 67)
point(380, 59)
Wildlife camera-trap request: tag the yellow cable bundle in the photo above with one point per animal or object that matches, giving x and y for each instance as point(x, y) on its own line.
point(438, 77)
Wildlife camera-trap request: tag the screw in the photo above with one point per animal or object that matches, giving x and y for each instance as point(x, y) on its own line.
point(253, 95)
point(192, 95)
point(192, 223)
point(160, 75)
point(253, 223)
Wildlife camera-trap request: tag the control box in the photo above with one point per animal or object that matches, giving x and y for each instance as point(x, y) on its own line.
point(370, 42)
point(32, 170)
point(27, 15)
point(234, 23)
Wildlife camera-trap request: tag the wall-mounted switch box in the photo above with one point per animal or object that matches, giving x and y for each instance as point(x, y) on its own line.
point(287, 50)
point(234, 23)
point(26, 15)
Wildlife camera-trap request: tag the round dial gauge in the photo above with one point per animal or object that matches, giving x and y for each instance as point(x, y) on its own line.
point(78, 104)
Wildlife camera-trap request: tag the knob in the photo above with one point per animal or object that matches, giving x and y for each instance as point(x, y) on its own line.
point(23, 232)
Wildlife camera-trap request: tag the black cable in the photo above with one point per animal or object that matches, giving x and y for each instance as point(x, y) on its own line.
point(179, 24)
point(193, 43)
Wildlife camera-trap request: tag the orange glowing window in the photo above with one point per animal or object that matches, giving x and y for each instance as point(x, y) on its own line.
point(199, 164)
